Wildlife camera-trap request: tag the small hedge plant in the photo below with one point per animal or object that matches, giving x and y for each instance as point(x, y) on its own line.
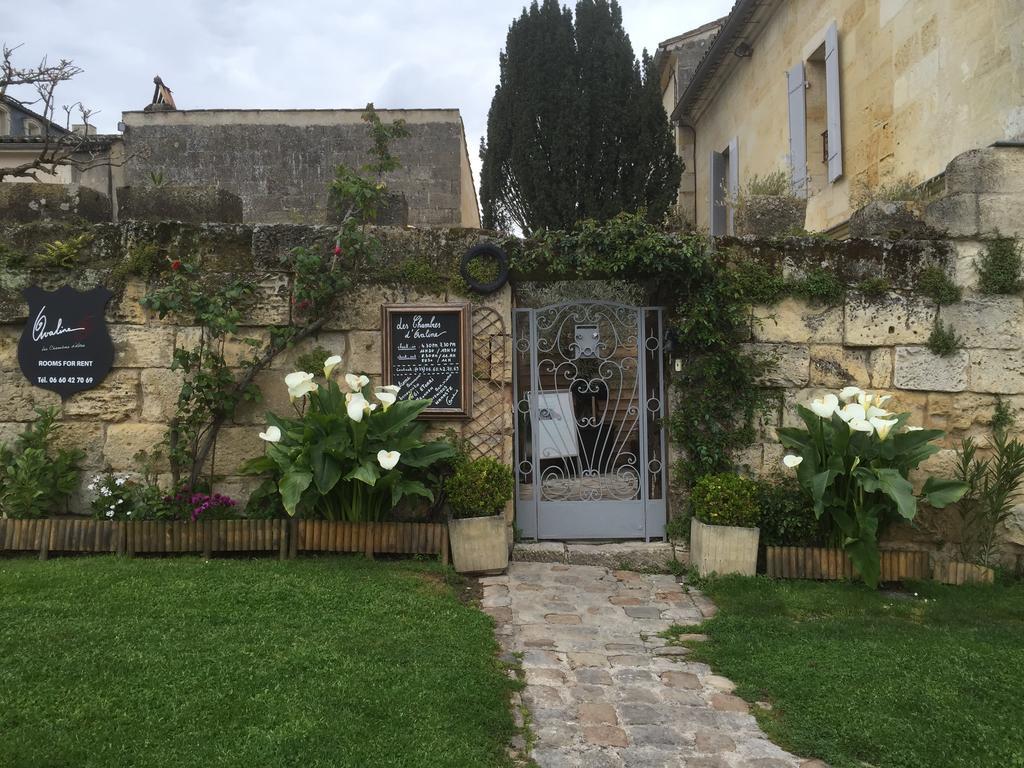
point(726, 499)
point(37, 477)
point(479, 488)
point(787, 516)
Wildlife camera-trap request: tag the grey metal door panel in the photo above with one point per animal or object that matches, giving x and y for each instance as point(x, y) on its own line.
point(589, 402)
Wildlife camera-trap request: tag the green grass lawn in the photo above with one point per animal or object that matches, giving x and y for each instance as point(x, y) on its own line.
point(856, 676)
point(180, 662)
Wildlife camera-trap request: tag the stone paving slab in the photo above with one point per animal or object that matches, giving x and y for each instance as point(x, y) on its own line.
point(603, 690)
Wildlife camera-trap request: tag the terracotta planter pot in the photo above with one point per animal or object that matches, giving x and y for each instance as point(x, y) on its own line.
point(479, 544)
point(956, 572)
point(831, 564)
point(723, 549)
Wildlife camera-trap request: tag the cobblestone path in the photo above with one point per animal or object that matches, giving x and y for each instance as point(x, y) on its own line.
point(603, 690)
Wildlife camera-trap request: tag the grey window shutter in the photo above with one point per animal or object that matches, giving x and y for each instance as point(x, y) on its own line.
point(733, 169)
point(833, 121)
point(797, 129)
point(716, 196)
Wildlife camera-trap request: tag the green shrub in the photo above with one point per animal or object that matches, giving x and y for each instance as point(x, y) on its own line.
point(479, 488)
point(757, 281)
point(787, 516)
point(774, 184)
point(934, 283)
point(725, 499)
point(35, 478)
point(944, 340)
point(900, 188)
point(999, 270)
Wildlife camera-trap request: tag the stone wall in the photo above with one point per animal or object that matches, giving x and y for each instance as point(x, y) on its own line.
point(130, 410)
point(280, 162)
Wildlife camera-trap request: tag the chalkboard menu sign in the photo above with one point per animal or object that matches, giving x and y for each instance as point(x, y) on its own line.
point(427, 352)
point(66, 346)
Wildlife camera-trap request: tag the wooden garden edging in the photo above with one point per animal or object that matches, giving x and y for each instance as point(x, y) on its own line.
point(286, 537)
point(826, 563)
point(955, 572)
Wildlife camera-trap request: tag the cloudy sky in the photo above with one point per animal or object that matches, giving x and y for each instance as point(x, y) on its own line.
point(299, 53)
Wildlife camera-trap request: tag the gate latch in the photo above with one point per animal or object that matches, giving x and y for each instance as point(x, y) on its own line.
point(587, 339)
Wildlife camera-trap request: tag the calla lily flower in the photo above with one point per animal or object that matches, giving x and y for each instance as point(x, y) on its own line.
point(852, 411)
point(356, 383)
point(874, 412)
point(388, 459)
point(392, 389)
point(387, 399)
point(825, 407)
point(356, 405)
point(914, 429)
point(792, 461)
point(299, 384)
point(272, 435)
point(861, 425)
point(330, 364)
point(882, 427)
point(846, 394)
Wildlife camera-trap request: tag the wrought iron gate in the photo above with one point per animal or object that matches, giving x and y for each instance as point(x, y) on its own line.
point(589, 407)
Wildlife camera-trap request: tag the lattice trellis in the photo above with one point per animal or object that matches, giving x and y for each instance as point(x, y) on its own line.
point(489, 433)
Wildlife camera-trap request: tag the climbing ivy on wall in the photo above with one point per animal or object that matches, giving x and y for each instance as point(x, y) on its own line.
point(716, 397)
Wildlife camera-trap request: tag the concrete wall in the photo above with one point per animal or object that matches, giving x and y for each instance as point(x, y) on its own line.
point(921, 81)
point(280, 162)
point(131, 408)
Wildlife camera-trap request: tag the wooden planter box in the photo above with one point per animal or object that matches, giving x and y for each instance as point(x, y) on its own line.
point(829, 564)
point(723, 549)
point(370, 538)
point(955, 572)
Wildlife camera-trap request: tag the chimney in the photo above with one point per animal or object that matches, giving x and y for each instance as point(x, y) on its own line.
point(84, 129)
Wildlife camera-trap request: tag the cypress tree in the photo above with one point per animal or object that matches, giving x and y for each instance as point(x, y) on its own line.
point(575, 130)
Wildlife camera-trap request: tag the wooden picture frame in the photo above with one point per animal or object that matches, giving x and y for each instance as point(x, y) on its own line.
point(422, 353)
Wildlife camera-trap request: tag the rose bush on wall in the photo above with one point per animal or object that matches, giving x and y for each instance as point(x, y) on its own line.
point(349, 454)
point(853, 458)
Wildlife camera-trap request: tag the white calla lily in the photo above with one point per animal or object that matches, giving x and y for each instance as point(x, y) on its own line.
point(914, 429)
point(272, 435)
point(874, 412)
point(852, 411)
point(387, 399)
point(826, 406)
point(356, 383)
point(846, 394)
point(861, 425)
point(882, 427)
point(356, 405)
point(330, 364)
point(391, 389)
point(388, 459)
point(792, 461)
point(299, 384)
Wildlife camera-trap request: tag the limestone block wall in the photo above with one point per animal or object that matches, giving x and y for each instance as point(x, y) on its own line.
point(130, 410)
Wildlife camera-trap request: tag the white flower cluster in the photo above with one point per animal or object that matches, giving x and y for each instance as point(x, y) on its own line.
point(106, 486)
point(862, 411)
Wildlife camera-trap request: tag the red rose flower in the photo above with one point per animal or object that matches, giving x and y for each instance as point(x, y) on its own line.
point(337, 250)
point(176, 265)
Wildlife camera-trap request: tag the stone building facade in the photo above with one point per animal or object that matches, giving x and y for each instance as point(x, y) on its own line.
point(844, 95)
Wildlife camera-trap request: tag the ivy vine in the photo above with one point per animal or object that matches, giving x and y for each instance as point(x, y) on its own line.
point(716, 396)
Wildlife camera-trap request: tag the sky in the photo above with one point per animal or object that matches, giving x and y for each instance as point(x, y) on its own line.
point(320, 54)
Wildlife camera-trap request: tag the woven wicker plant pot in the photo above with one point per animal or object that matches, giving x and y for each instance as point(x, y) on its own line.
point(479, 544)
point(723, 549)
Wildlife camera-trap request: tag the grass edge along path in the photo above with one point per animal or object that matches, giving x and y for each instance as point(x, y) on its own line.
point(929, 678)
point(185, 662)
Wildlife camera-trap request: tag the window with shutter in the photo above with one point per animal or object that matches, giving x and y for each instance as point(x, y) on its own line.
point(716, 194)
point(732, 171)
point(797, 129)
point(832, 111)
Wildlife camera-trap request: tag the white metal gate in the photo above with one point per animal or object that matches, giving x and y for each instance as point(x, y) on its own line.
point(589, 407)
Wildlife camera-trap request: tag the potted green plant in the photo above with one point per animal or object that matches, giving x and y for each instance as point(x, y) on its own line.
point(723, 531)
point(478, 491)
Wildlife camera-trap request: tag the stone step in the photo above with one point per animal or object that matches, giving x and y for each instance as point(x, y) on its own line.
point(631, 555)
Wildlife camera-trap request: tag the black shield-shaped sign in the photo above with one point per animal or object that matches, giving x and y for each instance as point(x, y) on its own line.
point(66, 346)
